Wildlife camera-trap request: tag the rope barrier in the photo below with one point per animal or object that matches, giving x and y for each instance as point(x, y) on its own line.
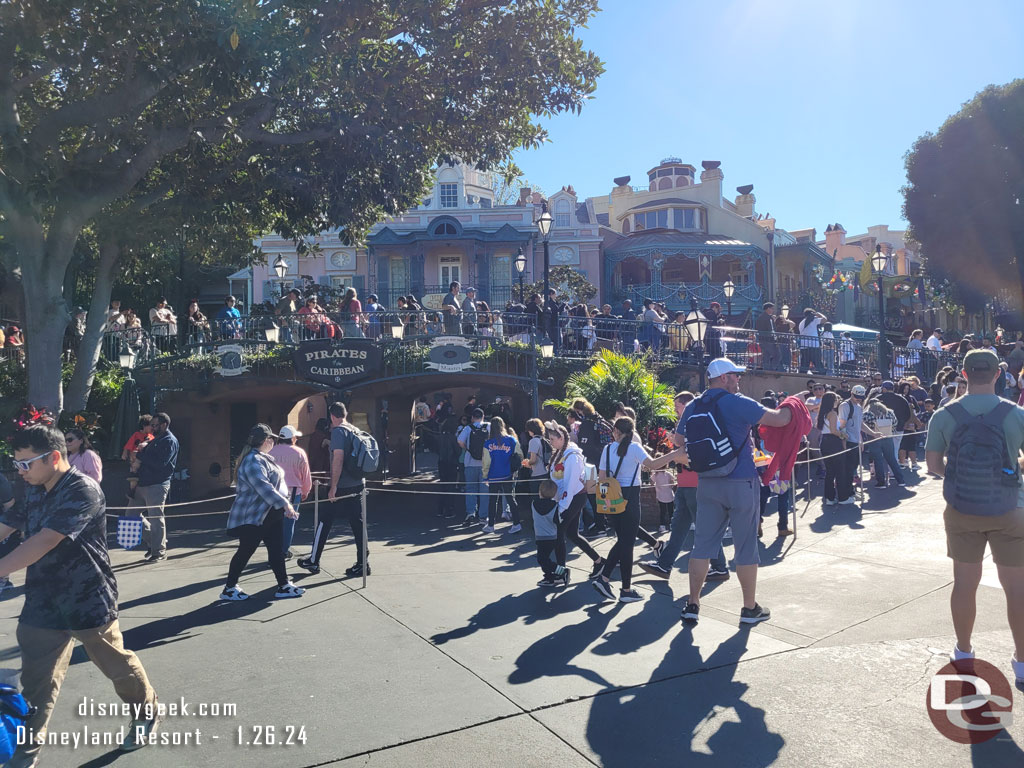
point(143, 508)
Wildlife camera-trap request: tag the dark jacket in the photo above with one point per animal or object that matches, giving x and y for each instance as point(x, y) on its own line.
point(157, 459)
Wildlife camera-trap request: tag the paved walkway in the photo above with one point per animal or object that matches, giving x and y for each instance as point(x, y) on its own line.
point(453, 657)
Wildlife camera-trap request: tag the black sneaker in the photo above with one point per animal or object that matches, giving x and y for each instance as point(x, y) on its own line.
point(548, 581)
point(629, 596)
point(289, 555)
point(718, 574)
point(754, 615)
point(596, 570)
point(156, 558)
point(308, 564)
point(654, 570)
point(604, 588)
point(357, 570)
point(691, 612)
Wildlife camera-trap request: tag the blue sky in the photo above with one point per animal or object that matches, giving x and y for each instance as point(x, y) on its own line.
point(814, 102)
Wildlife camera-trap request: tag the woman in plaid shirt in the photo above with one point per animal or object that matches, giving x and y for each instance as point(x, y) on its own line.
point(257, 514)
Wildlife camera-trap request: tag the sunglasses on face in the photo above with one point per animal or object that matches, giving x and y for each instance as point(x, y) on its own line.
point(26, 465)
point(69, 438)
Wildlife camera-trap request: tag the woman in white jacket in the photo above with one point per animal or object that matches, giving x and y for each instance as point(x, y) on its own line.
point(568, 470)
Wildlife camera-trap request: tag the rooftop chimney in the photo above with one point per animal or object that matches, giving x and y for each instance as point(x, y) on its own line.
point(712, 177)
point(835, 236)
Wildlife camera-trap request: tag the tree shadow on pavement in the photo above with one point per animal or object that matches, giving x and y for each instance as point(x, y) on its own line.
point(668, 716)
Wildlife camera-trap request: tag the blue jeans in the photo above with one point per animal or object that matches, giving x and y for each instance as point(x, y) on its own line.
point(684, 515)
point(884, 452)
point(475, 493)
point(289, 523)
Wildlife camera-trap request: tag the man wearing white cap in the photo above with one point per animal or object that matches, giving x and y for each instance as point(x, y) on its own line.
point(295, 463)
point(728, 495)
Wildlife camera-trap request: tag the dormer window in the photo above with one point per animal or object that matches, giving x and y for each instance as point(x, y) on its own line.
point(562, 218)
point(449, 195)
point(445, 228)
point(686, 219)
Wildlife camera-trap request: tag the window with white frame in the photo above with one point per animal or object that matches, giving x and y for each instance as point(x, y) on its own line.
point(562, 218)
point(449, 270)
point(449, 194)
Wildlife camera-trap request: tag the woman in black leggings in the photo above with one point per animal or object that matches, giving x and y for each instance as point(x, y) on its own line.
point(568, 469)
point(623, 460)
point(258, 513)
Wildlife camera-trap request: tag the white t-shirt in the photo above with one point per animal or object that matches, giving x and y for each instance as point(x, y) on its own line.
point(629, 472)
point(809, 328)
point(934, 343)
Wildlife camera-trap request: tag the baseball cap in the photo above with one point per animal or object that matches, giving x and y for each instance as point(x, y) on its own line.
point(288, 432)
point(721, 366)
point(980, 360)
point(259, 434)
point(858, 391)
point(470, 289)
point(887, 384)
point(937, 330)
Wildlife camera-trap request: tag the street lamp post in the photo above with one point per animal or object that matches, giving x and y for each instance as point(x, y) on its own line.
point(544, 227)
point(696, 325)
point(729, 288)
point(520, 264)
point(878, 264)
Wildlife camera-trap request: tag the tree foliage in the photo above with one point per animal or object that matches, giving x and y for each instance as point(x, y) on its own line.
point(620, 378)
point(311, 115)
point(964, 197)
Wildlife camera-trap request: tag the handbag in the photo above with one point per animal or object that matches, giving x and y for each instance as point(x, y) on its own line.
point(610, 499)
point(129, 531)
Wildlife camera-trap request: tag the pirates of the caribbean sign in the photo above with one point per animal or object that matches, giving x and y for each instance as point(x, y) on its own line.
point(337, 363)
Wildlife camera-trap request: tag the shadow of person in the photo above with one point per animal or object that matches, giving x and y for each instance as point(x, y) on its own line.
point(554, 655)
point(685, 719)
point(1001, 750)
point(837, 516)
point(531, 606)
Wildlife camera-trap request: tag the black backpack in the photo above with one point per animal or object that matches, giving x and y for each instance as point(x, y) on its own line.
point(591, 440)
point(981, 477)
point(477, 438)
point(708, 445)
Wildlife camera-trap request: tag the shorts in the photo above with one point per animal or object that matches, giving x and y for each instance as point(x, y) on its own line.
point(722, 502)
point(966, 536)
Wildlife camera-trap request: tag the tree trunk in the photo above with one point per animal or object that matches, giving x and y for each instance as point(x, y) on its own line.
point(46, 319)
point(77, 397)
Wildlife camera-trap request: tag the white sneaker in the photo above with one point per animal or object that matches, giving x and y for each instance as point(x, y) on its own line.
point(233, 593)
point(851, 500)
point(829, 503)
point(958, 655)
point(1018, 671)
point(488, 529)
point(515, 528)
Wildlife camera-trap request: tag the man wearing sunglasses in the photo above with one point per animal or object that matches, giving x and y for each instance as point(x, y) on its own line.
point(70, 589)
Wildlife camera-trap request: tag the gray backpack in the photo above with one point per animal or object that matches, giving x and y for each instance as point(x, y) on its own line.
point(981, 477)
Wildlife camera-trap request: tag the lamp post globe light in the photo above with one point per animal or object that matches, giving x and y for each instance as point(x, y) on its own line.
point(696, 325)
point(281, 269)
point(544, 227)
point(729, 288)
point(520, 264)
point(878, 263)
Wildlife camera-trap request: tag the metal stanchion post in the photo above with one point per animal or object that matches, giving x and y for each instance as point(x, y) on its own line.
point(362, 512)
point(316, 505)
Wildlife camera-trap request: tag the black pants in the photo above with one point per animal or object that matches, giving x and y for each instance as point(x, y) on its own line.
point(271, 533)
point(626, 527)
point(851, 460)
point(448, 474)
point(350, 507)
point(507, 490)
point(835, 460)
point(569, 530)
point(665, 510)
point(544, 549)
